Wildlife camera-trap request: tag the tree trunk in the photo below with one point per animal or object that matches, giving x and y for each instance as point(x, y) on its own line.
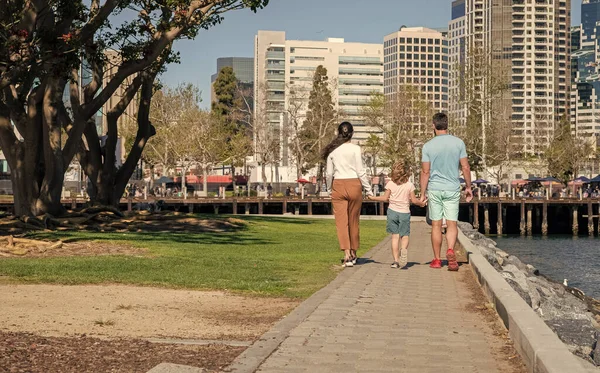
point(205, 180)
point(319, 177)
point(233, 177)
point(264, 174)
point(108, 182)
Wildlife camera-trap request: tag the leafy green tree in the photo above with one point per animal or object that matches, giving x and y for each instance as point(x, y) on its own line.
point(43, 46)
point(318, 129)
point(566, 153)
point(225, 87)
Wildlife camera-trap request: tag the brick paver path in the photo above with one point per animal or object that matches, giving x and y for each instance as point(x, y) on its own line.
point(386, 320)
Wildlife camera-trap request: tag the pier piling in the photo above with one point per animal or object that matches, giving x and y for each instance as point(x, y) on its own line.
point(500, 223)
point(545, 219)
point(486, 218)
point(590, 208)
point(523, 221)
point(476, 215)
point(575, 220)
point(529, 220)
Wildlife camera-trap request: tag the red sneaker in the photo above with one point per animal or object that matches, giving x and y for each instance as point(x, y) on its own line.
point(435, 263)
point(452, 263)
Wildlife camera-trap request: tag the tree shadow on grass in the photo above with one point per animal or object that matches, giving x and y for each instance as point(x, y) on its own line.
point(181, 229)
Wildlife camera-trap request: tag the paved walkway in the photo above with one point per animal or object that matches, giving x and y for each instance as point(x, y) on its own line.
point(386, 320)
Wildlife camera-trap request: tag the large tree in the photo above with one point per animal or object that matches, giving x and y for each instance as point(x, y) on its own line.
point(319, 125)
point(403, 118)
point(485, 96)
point(231, 102)
point(226, 89)
point(43, 46)
point(566, 153)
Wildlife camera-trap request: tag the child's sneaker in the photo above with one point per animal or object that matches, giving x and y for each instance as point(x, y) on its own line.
point(435, 263)
point(395, 265)
point(403, 258)
point(452, 263)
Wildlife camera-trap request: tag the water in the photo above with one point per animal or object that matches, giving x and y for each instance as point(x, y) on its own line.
point(560, 257)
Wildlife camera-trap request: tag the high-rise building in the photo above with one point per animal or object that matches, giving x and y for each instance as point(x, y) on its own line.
point(243, 68)
point(585, 95)
point(284, 72)
point(527, 44)
point(457, 108)
point(541, 71)
point(417, 57)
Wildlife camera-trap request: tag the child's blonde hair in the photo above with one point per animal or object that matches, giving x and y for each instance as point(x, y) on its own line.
point(400, 172)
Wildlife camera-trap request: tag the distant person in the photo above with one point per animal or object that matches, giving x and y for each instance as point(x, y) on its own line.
point(269, 191)
point(440, 185)
point(346, 178)
point(400, 193)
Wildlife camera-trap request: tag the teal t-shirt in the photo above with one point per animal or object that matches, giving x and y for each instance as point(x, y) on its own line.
point(444, 152)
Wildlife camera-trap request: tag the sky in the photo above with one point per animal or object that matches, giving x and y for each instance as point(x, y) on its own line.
point(304, 19)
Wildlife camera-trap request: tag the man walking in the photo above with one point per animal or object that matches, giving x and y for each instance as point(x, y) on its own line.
point(440, 185)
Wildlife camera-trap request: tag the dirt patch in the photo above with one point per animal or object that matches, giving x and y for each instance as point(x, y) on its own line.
point(49, 328)
point(502, 346)
point(23, 352)
point(114, 311)
point(81, 248)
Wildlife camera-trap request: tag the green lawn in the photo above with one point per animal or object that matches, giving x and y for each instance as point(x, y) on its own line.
point(269, 256)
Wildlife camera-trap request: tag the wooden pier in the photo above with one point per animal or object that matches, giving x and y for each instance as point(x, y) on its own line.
point(490, 215)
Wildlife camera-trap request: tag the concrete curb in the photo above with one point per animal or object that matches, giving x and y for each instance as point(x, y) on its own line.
point(251, 359)
point(541, 349)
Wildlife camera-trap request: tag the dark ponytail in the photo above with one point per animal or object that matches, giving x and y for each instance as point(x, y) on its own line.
point(345, 132)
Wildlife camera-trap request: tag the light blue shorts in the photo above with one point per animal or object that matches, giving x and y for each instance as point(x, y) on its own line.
point(443, 205)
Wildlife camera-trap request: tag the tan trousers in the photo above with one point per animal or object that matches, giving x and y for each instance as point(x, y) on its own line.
point(346, 197)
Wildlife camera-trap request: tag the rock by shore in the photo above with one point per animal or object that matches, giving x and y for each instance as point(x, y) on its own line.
point(574, 317)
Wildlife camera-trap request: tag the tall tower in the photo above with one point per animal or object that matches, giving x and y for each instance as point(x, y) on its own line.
point(525, 46)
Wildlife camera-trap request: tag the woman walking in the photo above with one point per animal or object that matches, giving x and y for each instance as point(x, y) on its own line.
point(346, 177)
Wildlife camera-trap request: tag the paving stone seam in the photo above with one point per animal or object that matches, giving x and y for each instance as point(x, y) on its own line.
point(251, 359)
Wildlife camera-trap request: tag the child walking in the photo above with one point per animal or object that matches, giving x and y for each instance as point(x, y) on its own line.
point(400, 193)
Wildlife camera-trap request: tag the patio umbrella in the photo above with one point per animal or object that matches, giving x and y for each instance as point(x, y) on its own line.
point(481, 181)
point(518, 182)
point(596, 179)
point(552, 179)
point(536, 179)
point(582, 179)
point(303, 181)
point(164, 180)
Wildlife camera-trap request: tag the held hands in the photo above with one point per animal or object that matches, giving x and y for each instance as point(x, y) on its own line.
point(423, 200)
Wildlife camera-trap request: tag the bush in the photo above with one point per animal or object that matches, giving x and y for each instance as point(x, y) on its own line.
point(211, 194)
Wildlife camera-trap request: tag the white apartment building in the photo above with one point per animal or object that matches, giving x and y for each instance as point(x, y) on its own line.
point(418, 57)
point(284, 72)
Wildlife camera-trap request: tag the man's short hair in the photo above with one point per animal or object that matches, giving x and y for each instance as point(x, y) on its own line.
point(440, 121)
